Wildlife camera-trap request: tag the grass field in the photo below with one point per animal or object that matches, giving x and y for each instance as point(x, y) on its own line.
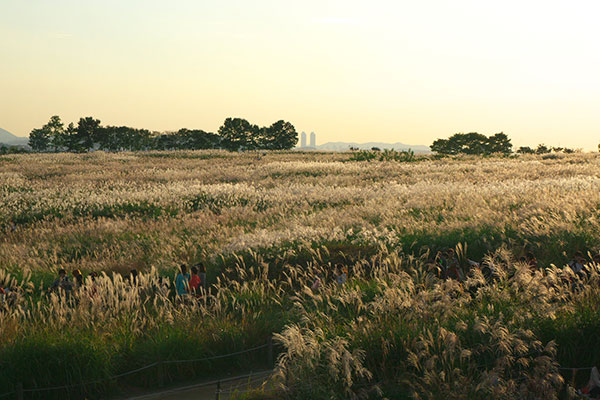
point(266, 225)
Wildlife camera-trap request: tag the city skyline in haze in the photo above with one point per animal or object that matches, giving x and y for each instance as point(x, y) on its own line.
point(384, 71)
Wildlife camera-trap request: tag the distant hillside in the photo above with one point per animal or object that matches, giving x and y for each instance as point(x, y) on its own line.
point(8, 138)
point(344, 146)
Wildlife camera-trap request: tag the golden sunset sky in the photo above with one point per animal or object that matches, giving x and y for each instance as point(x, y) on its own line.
point(407, 71)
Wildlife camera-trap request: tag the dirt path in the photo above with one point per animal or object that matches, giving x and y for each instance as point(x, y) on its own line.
point(207, 390)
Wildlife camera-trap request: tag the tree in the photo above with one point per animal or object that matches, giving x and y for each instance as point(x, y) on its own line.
point(239, 134)
point(166, 141)
point(281, 135)
point(87, 134)
point(443, 146)
point(472, 143)
point(542, 149)
point(119, 138)
point(499, 143)
point(39, 139)
point(235, 134)
point(461, 143)
point(525, 150)
point(51, 136)
point(70, 136)
point(57, 133)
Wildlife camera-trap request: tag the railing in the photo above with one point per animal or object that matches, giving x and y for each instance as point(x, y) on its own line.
point(19, 391)
point(217, 383)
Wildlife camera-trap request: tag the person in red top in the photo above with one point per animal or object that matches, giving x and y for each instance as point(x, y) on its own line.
point(195, 282)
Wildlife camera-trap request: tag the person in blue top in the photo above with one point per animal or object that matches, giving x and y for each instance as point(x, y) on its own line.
point(182, 282)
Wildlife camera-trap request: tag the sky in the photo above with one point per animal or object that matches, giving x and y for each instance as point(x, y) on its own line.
point(388, 71)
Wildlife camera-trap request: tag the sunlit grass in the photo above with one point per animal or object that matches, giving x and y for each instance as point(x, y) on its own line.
point(266, 225)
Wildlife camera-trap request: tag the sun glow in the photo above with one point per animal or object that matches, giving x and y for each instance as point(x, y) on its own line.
point(351, 71)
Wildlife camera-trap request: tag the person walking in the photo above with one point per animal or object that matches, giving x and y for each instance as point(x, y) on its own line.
point(195, 282)
point(77, 278)
point(182, 281)
point(202, 275)
point(62, 282)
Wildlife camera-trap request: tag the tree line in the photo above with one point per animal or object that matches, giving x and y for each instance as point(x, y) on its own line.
point(478, 144)
point(89, 134)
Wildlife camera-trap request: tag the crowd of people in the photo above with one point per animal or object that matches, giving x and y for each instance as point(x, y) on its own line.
point(186, 285)
point(193, 284)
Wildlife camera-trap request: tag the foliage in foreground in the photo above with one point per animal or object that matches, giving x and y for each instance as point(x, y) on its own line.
point(414, 335)
point(393, 330)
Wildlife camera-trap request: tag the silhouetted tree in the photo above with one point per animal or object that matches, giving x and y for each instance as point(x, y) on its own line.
point(281, 135)
point(498, 143)
point(118, 138)
point(472, 143)
point(39, 139)
point(525, 150)
point(197, 139)
point(86, 134)
point(58, 135)
point(239, 134)
point(235, 134)
point(542, 149)
point(166, 141)
point(51, 136)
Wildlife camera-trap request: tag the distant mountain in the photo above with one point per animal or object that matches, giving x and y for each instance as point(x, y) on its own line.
point(8, 138)
point(344, 146)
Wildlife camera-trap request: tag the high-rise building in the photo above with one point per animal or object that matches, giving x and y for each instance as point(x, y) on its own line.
point(303, 139)
point(313, 140)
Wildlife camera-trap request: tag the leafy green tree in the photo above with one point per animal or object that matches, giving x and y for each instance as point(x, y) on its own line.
point(120, 138)
point(51, 136)
point(87, 133)
point(70, 137)
point(196, 139)
point(472, 143)
point(461, 143)
point(542, 149)
point(138, 139)
point(281, 135)
point(525, 150)
point(57, 133)
point(239, 134)
point(166, 141)
point(39, 139)
point(443, 146)
point(498, 143)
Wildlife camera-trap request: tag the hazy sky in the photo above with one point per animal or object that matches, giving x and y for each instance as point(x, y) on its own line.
point(408, 71)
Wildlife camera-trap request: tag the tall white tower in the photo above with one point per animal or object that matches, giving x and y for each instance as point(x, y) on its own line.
point(313, 140)
point(303, 139)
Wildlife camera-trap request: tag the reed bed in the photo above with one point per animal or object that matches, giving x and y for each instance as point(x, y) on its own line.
point(266, 225)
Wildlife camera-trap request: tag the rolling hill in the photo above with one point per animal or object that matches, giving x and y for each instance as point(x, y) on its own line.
point(8, 138)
